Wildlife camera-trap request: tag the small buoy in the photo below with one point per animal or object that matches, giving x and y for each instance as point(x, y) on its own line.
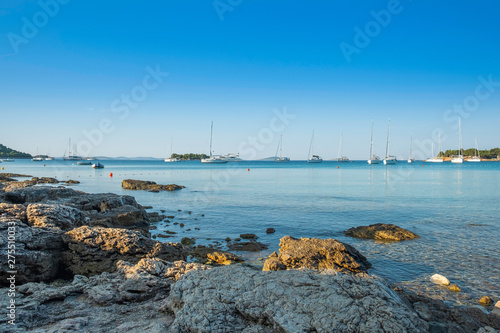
point(44, 165)
point(2, 168)
point(247, 169)
point(111, 174)
point(422, 165)
point(337, 167)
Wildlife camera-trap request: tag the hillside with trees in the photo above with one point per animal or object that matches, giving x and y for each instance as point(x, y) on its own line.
point(189, 156)
point(6, 152)
point(487, 154)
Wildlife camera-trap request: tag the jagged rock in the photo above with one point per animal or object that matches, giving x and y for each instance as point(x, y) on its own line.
point(241, 299)
point(131, 184)
point(155, 217)
point(15, 211)
point(486, 300)
point(205, 254)
point(248, 236)
point(379, 231)
point(126, 217)
point(55, 216)
point(251, 246)
point(186, 241)
point(71, 181)
point(439, 279)
point(41, 194)
point(315, 253)
point(125, 301)
point(37, 251)
point(93, 250)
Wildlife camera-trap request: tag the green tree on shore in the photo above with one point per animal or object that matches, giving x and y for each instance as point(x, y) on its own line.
point(6, 152)
point(190, 156)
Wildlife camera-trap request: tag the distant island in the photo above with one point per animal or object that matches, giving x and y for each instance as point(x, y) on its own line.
point(189, 157)
point(6, 152)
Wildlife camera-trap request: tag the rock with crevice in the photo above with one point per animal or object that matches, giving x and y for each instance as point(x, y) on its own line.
point(380, 231)
point(93, 250)
point(238, 298)
point(16, 211)
point(315, 253)
point(55, 216)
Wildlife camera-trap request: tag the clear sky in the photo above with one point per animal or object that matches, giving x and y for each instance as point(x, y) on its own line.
point(73, 67)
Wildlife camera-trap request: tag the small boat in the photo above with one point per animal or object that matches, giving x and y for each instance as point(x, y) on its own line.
point(374, 159)
point(281, 159)
point(7, 160)
point(49, 158)
point(98, 166)
point(341, 158)
point(388, 158)
point(458, 159)
point(71, 156)
point(171, 159)
point(477, 156)
point(311, 158)
point(232, 157)
point(37, 158)
point(84, 163)
point(439, 158)
point(213, 159)
point(411, 159)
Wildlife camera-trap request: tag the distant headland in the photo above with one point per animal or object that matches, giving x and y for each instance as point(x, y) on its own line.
point(6, 152)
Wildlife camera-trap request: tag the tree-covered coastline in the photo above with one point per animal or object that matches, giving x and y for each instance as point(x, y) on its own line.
point(190, 156)
point(486, 154)
point(6, 152)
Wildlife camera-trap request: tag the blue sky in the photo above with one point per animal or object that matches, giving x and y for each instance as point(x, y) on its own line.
point(70, 75)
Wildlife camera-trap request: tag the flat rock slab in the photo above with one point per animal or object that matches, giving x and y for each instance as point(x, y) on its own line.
point(315, 253)
point(379, 231)
point(131, 184)
point(238, 298)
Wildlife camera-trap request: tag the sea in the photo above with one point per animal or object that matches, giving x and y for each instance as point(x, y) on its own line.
point(453, 208)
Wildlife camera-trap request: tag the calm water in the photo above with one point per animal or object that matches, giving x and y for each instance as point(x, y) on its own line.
point(454, 208)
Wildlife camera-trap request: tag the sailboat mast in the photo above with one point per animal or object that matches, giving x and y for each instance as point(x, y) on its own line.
point(439, 136)
point(388, 139)
point(311, 147)
point(371, 144)
point(459, 137)
point(211, 133)
point(411, 146)
point(281, 146)
point(340, 146)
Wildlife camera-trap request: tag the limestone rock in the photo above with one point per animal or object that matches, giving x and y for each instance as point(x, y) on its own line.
point(486, 300)
point(379, 231)
point(315, 253)
point(455, 288)
point(131, 184)
point(15, 211)
point(240, 299)
point(55, 216)
point(204, 254)
point(93, 250)
point(439, 279)
point(37, 252)
point(251, 246)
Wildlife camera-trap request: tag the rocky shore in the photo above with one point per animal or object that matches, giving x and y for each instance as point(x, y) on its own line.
point(86, 263)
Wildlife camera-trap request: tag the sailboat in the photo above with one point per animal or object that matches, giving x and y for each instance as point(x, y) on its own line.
point(477, 156)
point(37, 158)
point(388, 158)
point(460, 157)
point(171, 159)
point(374, 159)
point(281, 159)
point(411, 159)
point(311, 158)
point(71, 156)
point(341, 158)
point(439, 158)
point(213, 158)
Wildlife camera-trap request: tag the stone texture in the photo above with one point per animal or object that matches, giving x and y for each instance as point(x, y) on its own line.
point(55, 216)
point(486, 300)
point(210, 255)
point(315, 253)
point(93, 250)
point(251, 246)
point(131, 184)
point(379, 231)
point(16, 211)
point(240, 299)
point(439, 279)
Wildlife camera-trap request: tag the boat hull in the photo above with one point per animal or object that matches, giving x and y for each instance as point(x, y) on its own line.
point(373, 161)
point(315, 161)
point(389, 162)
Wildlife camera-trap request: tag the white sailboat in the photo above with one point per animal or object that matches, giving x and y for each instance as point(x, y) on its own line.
point(37, 158)
point(411, 159)
point(439, 158)
point(232, 157)
point(311, 158)
point(72, 156)
point(477, 155)
point(341, 158)
point(281, 159)
point(388, 158)
point(213, 158)
point(374, 159)
point(171, 159)
point(460, 157)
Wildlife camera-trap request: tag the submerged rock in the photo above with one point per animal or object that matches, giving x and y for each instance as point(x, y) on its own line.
point(131, 184)
point(206, 254)
point(251, 246)
point(379, 231)
point(241, 299)
point(93, 250)
point(315, 253)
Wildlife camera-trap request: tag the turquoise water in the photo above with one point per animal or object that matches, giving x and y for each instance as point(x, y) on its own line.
point(454, 209)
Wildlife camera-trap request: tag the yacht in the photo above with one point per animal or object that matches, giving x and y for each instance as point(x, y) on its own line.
point(232, 157)
point(388, 158)
point(477, 156)
point(37, 158)
point(374, 159)
point(311, 158)
point(439, 158)
point(213, 158)
point(460, 157)
point(171, 159)
point(341, 158)
point(411, 159)
point(71, 156)
point(49, 158)
point(281, 159)
point(7, 160)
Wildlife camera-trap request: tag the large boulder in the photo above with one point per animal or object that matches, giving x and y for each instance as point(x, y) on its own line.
point(38, 194)
point(132, 184)
point(380, 231)
point(37, 253)
point(55, 216)
point(93, 250)
point(241, 299)
point(315, 253)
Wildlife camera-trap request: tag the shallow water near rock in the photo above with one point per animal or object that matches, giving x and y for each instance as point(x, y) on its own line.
point(453, 208)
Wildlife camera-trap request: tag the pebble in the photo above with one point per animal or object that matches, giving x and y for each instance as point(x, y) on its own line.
point(439, 279)
point(486, 300)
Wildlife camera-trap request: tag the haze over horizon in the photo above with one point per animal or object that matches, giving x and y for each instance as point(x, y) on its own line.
point(97, 73)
